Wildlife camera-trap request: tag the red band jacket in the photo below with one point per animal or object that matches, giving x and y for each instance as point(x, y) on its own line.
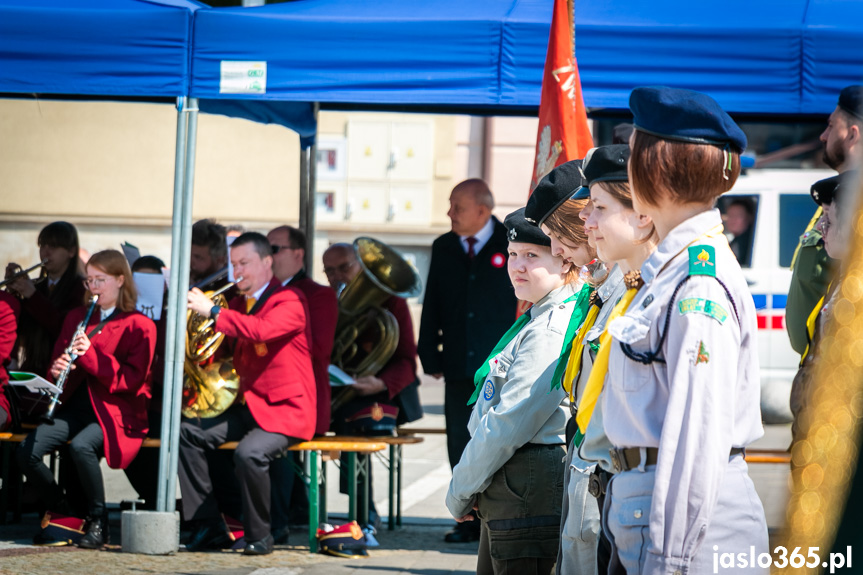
point(116, 371)
point(9, 310)
point(272, 356)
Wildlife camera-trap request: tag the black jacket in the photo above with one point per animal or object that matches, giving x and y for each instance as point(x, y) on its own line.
point(468, 305)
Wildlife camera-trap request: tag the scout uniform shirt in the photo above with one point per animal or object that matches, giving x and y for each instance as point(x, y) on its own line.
point(700, 396)
point(515, 406)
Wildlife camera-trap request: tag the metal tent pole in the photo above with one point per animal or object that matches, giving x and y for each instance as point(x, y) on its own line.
point(181, 239)
point(308, 187)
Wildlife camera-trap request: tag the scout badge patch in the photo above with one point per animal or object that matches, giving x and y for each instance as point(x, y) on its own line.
point(703, 306)
point(261, 349)
point(702, 355)
point(702, 261)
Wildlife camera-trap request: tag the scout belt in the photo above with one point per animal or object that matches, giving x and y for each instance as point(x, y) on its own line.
point(627, 458)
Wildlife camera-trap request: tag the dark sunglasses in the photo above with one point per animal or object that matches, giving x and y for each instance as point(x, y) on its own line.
point(278, 248)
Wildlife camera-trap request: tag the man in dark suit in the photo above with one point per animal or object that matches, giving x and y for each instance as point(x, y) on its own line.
point(290, 501)
point(375, 409)
point(272, 356)
point(469, 303)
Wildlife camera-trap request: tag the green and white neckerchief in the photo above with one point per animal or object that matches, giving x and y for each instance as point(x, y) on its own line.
point(581, 298)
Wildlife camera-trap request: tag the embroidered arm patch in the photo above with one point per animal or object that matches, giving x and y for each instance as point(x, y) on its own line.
point(703, 306)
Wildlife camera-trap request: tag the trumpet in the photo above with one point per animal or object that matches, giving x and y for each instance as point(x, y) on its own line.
point(21, 273)
point(61, 381)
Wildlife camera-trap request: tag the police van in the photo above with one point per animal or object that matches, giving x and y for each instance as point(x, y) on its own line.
point(765, 214)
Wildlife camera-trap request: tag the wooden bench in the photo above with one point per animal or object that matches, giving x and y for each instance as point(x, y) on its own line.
point(317, 480)
point(394, 466)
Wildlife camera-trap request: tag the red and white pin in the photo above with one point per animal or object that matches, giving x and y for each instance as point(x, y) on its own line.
point(498, 260)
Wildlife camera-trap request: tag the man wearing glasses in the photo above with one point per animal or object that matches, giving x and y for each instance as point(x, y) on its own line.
point(289, 499)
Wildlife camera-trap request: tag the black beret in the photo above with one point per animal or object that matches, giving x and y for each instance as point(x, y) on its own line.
point(851, 100)
point(826, 190)
point(606, 164)
point(554, 189)
point(520, 230)
point(685, 115)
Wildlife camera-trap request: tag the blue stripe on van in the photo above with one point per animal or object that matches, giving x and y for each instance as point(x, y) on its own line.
point(760, 301)
point(779, 301)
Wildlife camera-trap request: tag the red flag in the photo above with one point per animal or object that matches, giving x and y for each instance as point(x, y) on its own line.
point(563, 134)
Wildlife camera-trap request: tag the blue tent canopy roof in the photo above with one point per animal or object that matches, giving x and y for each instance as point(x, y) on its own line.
point(765, 57)
point(96, 47)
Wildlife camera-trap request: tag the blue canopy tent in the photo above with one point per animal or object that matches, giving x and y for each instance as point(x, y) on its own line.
point(771, 57)
point(120, 48)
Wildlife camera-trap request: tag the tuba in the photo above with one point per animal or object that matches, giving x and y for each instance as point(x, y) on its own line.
point(366, 334)
point(209, 388)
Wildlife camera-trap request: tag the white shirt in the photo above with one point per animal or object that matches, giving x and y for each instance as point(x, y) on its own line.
point(481, 236)
point(105, 313)
point(257, 295)
point(287, 281)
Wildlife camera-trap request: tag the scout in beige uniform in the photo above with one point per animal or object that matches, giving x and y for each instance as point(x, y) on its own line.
point(683, 381)
point(512, 467)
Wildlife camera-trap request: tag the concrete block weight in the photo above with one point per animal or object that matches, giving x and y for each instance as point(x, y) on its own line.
point(150, 532)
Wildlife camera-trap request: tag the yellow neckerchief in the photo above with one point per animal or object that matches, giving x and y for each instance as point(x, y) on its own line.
point(573, 366)
point(600, 365)
point(810, 324)
point(599, 369)
point(811, 225)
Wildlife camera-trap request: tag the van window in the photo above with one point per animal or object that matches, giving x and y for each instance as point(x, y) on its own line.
point(739, 217)
point(795, 212)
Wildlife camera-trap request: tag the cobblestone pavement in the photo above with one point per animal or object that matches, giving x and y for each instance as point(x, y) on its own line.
point(416, 549)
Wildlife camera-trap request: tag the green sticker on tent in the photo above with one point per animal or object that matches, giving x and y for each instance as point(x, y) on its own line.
point(702, 261)
point(703, 306)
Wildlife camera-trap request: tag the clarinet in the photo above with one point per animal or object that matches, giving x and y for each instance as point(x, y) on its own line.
point(61, 380)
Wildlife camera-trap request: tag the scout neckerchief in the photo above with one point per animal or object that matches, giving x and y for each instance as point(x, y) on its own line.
point(600, 365)
point(810, 324)
point(634, 282)
point(583, 299)
point(510, 334)
point(573, 366)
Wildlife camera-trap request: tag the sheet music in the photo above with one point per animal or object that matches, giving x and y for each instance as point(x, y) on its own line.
point(131, 252)
point(32, 382)
point(151, 294)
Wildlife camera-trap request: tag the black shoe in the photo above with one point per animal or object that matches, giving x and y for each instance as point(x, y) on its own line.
point(262, 547)
point(463, 533)
point(209, 536)
point(96, 534)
